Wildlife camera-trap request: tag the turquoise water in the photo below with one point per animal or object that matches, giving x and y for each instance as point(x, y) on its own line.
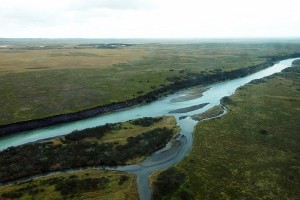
point(158, 108)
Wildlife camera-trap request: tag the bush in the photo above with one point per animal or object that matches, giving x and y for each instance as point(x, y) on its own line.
point(12, 195)
point(98, 132)
point(76, 186)
point(145, 121)
point(122, 179)
point(263, 132)
point(167, 182)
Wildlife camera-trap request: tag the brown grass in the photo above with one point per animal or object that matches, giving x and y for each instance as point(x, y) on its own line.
point(28, 60)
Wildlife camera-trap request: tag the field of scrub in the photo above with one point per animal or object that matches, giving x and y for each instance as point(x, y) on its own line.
point(86, 184)
point(252, 152)
point(40, 80)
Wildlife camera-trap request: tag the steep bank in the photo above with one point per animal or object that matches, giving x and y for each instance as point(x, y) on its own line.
point(177, 84)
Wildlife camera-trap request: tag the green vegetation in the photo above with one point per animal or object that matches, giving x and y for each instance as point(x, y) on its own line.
point(253, 151)
point(64, 78)
point(111, 144)
point(296, 63)
point(168, 182)
point(145, 121)
point(95, 132)
point(86, 184)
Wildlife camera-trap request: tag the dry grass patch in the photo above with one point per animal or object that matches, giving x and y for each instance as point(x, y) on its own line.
point(28, 60)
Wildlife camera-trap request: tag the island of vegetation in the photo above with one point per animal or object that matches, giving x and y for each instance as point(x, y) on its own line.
point(210, 113)
point(252, 152)
point(189, 109)
point(107, 145)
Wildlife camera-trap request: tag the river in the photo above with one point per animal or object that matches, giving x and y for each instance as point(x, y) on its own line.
point(167, 156)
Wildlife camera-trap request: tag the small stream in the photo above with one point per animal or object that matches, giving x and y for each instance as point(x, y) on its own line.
point(163, 158)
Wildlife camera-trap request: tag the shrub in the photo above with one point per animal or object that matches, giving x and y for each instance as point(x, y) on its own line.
point(167, 182)
point(145, 121)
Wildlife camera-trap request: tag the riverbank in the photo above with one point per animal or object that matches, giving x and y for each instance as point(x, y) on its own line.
point(194, 79)
point(252, 151)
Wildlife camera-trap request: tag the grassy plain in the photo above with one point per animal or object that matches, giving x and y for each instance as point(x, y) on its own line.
point(38, 82)
point(253, 151)
point(118, 186)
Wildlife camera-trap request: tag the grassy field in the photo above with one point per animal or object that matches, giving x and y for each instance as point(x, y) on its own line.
point(76, 185)
point(24, 60)
point(38, 82)
point(253, 151)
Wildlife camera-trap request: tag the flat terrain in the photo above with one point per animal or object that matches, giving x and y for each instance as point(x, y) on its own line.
point(57, 78)
point(86, 184)
point(253, 151)
point(25, 59)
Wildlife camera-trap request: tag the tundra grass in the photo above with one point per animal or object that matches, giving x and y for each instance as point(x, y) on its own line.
point(253, 151)
point(118, 186)
point(38, 83)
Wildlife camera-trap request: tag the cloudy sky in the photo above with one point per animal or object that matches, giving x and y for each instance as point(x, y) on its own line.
point(149, 18)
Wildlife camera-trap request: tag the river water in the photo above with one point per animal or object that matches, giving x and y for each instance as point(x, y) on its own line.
point(164, 158)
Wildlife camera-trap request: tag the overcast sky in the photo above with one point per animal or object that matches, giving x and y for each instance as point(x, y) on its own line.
point(149, 18)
